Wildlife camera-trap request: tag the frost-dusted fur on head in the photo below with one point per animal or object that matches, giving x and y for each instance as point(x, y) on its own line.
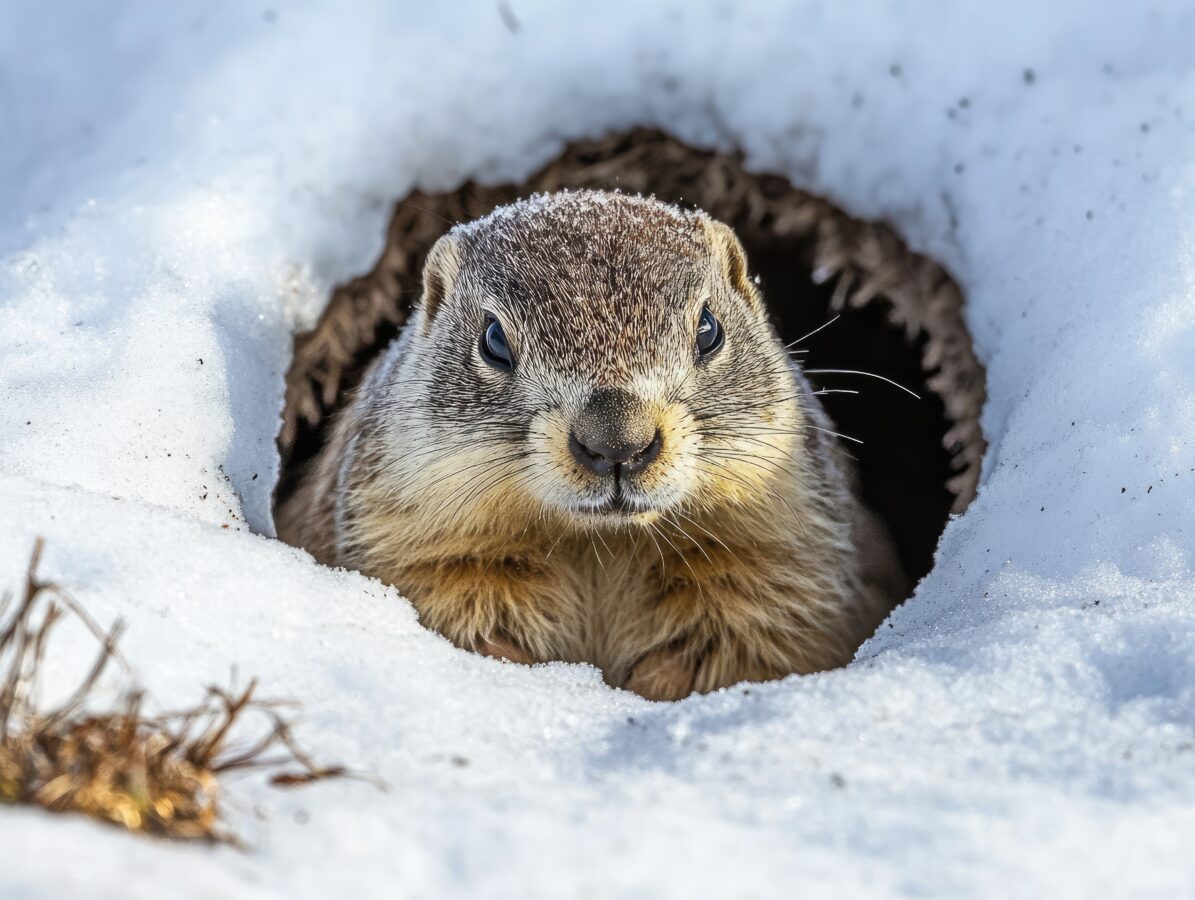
point(734, 554)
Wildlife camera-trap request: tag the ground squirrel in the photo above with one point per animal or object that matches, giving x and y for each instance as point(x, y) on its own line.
point(588, 444)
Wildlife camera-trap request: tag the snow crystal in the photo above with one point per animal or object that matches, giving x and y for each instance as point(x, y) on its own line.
point(180, 186)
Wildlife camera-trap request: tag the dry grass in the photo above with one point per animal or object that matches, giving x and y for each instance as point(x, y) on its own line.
point(153, 774)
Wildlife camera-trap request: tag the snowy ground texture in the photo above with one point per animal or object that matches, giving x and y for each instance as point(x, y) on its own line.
point(181, 184)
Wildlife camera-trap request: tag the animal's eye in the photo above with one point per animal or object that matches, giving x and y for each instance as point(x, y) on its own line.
point(709, 334)
point(493, 347)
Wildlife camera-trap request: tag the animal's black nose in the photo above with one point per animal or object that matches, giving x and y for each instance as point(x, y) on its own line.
point(614, 434)
point(602, 458)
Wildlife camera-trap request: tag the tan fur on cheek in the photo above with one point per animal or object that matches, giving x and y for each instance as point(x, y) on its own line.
point(463, 482)
point(438, 505)
point(740, 465)
point(675, 473)
point(556, 478)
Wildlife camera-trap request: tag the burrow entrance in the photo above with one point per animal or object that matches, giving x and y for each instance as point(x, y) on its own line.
point(900, 318)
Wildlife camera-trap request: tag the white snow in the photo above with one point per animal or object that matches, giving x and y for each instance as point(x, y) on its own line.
point(185, 181)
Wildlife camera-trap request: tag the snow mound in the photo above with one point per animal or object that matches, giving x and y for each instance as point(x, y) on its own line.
point(182, 184)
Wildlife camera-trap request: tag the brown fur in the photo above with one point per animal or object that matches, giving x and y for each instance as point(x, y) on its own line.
point(746, 555)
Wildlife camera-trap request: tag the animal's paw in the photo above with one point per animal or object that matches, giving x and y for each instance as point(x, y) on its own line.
point(666, 673)
point(501, 647)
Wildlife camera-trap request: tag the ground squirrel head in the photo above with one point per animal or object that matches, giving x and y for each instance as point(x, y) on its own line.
point(598, 355)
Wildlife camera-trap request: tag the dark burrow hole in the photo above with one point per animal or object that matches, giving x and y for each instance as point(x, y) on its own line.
point(900, 318)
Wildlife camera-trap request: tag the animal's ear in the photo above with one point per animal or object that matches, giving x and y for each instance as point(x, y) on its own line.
point(439, 275)
point(731, 259)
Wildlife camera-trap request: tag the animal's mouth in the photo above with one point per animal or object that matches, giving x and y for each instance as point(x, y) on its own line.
point(618, 505)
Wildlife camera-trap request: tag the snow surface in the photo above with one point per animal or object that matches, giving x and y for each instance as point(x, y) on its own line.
point(182, 183)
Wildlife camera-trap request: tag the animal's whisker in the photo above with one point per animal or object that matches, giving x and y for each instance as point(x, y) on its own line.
point(815, 331)
point(895, 384)
point(845, 437)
